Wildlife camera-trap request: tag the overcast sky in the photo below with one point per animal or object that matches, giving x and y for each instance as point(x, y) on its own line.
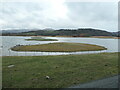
point(58, 14)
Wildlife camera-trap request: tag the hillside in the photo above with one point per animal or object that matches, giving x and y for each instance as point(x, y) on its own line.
point(86, 32)
point(116, 33)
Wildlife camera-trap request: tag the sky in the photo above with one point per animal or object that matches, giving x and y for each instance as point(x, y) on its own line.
point(59, 14)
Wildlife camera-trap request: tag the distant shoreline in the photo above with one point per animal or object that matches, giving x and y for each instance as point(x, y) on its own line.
point(104, 37)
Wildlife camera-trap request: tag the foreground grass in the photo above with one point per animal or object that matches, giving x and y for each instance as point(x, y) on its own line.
point(59, 47)
point(64, 71)
point(40, 39)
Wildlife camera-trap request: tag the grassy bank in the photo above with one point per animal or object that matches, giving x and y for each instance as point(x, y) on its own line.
point(40, 39)
point(64, 71)
point(59, 47)
point(105, 37)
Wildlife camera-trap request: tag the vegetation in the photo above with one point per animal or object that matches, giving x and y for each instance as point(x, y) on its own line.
point(109, 37)
point(63, 71)
point(59, 47)
point(40, 39)
point(83, 32)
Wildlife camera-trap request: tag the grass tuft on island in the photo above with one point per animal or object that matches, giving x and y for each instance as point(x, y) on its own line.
point(59, 47)
point(63, 70)
point(40, 39)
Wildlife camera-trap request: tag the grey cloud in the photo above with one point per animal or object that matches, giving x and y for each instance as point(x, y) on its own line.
point(43, 15)
point(94, 14)
point(93, 10)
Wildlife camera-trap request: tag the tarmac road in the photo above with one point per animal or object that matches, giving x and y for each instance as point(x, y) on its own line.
point(111, 82)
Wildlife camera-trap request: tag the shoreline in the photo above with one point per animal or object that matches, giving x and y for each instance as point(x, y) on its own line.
point(103, 37)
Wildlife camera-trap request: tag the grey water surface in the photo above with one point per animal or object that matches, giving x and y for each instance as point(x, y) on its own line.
point(10, 41)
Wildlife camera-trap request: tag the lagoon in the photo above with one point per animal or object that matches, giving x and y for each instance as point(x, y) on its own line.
point(10, 41)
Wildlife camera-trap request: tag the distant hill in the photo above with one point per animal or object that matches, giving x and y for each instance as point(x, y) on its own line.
point(116, 33)
point(81, 32)
point(16, 31)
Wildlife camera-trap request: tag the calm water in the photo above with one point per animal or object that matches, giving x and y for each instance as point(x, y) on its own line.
point(10, 41)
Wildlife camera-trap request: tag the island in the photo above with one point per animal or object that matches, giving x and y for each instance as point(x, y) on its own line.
point(59, 47)
point(40, 39)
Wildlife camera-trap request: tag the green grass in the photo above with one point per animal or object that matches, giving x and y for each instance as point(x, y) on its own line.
point(40, 39)
point(59, 47)
point(64, 71)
